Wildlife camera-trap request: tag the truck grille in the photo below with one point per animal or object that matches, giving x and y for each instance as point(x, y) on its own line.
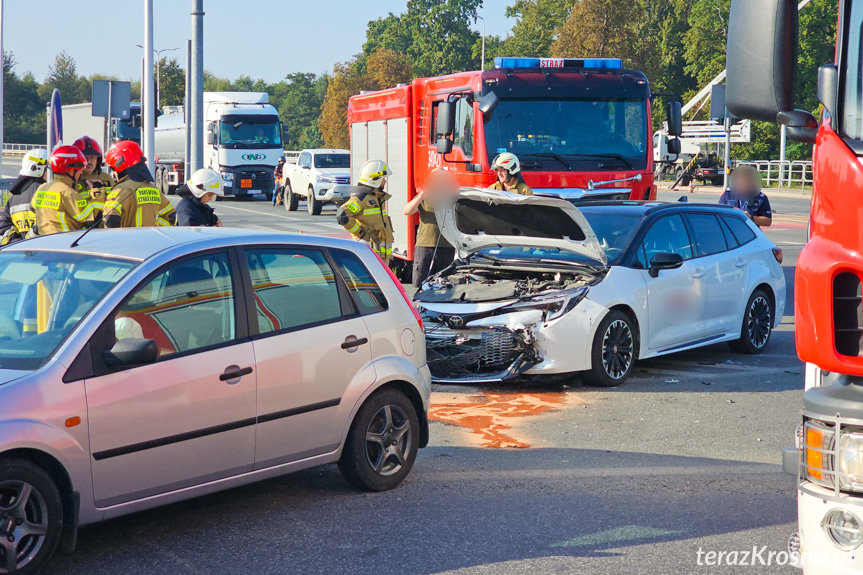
point(471, 354)
point(343, 180)
point(847, 314)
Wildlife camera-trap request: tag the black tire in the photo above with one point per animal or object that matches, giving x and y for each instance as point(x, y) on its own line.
point(292, 201)
point(757, 328)
point(42, 512)
point(613, 352)
point(314, 206)
point(367, 463)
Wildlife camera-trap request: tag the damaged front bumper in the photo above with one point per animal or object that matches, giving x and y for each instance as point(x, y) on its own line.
point(486, 350)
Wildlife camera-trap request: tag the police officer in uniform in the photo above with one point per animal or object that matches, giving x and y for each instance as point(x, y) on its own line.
point(745, 193)
point(365, 213)
point(508, 170)
point(18, 216)
point(58, 205)
point(134, 202)
point(94, 185)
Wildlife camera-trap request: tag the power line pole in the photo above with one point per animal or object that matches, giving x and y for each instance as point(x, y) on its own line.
point(148, 103)
point(196, 119)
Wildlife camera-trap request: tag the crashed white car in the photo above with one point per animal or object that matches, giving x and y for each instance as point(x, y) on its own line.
point(537, 289)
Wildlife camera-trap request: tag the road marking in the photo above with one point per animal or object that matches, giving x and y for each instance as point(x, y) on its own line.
point(618, 535)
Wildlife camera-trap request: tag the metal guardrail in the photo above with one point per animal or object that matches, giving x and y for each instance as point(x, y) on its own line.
point(291, 156)
point(12, 150)
point(775, 173)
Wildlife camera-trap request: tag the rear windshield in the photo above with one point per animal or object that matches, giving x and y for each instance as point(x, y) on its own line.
point(44, 296)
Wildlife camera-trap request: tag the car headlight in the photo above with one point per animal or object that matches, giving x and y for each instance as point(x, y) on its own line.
point(555, 304)
point(228, 176)
point(326, 179)
point(849, 461)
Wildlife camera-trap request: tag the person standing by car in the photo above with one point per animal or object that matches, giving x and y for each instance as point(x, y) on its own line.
point(432, 253)
point(508, 170)
point(279, 194)
point(94, 185)
point(18, 216)
point(745, 194)
point(58, 205)
point(199, 191)
point(135, 202)
point(364, 215)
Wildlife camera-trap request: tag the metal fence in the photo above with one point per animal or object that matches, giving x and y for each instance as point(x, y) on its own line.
point(11, 150)
point(775, 173)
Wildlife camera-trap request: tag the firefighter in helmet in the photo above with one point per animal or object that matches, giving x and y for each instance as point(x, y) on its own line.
point(58, 205)
point(18, 217)
point(508, 170)
point(134, 202)
point(94, 184)
point(365, 213)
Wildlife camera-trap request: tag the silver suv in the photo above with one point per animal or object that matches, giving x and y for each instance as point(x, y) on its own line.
point(143, 367)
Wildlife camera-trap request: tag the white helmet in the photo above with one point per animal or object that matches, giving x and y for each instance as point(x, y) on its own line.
point(373, 172)
point(205, 181)
point(508, 161)
point(34, 163)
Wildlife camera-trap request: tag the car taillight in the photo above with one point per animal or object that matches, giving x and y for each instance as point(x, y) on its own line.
point(402, 291)
point(777, 253)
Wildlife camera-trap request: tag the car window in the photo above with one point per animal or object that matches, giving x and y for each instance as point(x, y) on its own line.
point(667, 235)
point(365, 291)
point(708, 234)
point(188, 306)
point(293, 287)
point(463, 137)
point(729, 237)
point(740, 229)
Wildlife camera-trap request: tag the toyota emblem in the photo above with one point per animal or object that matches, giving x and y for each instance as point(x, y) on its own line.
point(456, 321)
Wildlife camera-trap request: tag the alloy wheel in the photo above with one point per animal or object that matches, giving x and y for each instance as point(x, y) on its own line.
point(617, 348)
point(23, 524)
point(388, 440)
point(758, 321)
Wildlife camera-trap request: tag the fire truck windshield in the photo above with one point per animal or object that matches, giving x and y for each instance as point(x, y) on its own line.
point(564, 134)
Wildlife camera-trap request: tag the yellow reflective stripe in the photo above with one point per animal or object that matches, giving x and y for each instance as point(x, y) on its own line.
point(162, 222)
point(353, 206)
point(98, 205)
point(355, 227)
point(166, 210)
point(372, 211)
point(112, 205)
point(63, 224)
point(148, 196)
point(87, 212)
point(45, 199)
point(139, 222)
point(39, 161)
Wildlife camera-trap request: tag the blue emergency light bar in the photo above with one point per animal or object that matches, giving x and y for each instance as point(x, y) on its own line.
point(601, 63)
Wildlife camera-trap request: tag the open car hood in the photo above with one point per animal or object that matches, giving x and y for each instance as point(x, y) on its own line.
point(483, 218)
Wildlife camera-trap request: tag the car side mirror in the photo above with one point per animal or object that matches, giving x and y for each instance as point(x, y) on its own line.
point(130, 352)
point(211, 139)
point(675, 118)
point(801, 125)
point(137, 122)
point(673, 146)
point(444, 146)
point(664, 261)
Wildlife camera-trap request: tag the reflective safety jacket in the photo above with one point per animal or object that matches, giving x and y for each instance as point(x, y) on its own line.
point(364, 215)
point(134, 204)
point(96, 195)
point(18, 216)
point(60, 208)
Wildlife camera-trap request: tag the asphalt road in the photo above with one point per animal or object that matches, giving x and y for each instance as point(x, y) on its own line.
point(552, 479)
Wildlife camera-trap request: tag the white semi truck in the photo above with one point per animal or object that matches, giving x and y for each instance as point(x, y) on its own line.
point(78, 120)
point(242, 141)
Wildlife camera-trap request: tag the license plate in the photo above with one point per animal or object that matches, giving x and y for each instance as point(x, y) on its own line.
point(245, 183)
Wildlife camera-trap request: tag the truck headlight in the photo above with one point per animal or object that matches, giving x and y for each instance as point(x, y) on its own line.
point(843, 529)
point(817, 444)
point(228, 176)
point(849, 461)
point(555, 304)
point(326, 179)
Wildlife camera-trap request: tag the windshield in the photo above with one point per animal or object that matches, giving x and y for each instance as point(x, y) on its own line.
point(43, 296)
point(540, 255)
point(613, 228)
point(578, 134)
point(332, 160)
point(237, 131)
point(126, 131)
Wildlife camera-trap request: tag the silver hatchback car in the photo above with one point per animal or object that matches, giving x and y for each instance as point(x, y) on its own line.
point(143, 367)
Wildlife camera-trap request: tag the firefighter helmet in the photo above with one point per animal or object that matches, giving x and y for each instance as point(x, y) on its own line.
point(34, 163)
point(66, 159)
point(206, 181)
point(123, 155)
point(373, 172)
point(507, 161)
point(88, 146)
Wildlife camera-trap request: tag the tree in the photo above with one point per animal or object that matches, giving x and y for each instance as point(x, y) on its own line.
point(300, 101)
point(704, 42)
point(387, 68)
point(63, 76)
point(344, 83)
point(536, 27)
point(23, 109)
point(172, 82)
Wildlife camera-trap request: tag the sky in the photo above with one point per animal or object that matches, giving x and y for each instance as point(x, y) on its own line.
point(260, 38)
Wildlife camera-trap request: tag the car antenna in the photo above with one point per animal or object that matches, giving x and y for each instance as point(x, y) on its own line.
point(87, 231)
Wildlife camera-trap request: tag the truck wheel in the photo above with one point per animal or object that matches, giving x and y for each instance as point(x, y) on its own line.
point(314, 206)
point(159, 180)
point(292, 201)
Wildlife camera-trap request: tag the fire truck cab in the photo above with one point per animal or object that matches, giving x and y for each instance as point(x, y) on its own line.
point(580, 127)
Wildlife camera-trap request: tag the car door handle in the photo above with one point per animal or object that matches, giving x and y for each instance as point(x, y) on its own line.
point(351, 343)
point(234, 372)
point(699, 273)
point(740, 264)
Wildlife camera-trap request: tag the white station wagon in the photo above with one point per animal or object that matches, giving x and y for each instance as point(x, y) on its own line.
point(143, 367)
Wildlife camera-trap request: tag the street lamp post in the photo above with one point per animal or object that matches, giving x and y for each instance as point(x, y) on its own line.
point(482, 58)
point(159, 73)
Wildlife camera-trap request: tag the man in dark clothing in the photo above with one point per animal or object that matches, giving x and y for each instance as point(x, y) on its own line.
point(279, 194)
point(745, 194)
point(18, 216)
point(203, 188)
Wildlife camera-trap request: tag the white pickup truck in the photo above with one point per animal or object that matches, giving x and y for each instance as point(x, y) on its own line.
point(313, 178)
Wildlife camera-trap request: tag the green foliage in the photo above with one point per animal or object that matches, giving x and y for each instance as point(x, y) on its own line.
point(63, 75)
point(300, 101)
point(172, 82)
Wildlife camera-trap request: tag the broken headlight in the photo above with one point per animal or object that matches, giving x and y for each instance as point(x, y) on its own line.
point(555, 304)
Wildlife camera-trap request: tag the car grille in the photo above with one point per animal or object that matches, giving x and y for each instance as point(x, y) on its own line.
point(343, 179)
point(471, 354)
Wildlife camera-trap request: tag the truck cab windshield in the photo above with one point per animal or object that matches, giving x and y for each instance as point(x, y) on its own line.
point(564, 134)
point(250, 132)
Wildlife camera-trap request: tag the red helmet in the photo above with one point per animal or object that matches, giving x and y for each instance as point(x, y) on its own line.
point(123, 155)
point(65, 159)
point(88, 146)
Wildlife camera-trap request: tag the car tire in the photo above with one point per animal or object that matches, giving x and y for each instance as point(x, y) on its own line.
point(313, 205)
point(757, 328)
point(292, 201)
point(160, 180)
point(38, 525)
point(387, 416)
point(613, 351)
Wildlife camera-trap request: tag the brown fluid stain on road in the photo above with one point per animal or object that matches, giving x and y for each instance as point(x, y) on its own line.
point(492, 415)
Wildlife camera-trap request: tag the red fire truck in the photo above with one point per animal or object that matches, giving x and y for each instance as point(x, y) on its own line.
point(580, 127)
point(828, 457)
